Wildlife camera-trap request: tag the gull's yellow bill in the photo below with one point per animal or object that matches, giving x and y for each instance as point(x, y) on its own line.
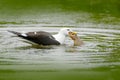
point(74, 32)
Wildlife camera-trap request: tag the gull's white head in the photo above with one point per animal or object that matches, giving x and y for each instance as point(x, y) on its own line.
point(62, 34)
point(65, 31)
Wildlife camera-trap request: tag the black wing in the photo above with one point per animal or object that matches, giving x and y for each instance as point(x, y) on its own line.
point(41, 37)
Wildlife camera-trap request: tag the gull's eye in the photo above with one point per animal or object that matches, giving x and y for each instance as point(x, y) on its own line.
point(68, 29)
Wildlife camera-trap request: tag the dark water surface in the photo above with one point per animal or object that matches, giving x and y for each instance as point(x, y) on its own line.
point(97, 24)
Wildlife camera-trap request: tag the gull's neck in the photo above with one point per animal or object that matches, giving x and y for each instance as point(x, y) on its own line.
point(60, 37)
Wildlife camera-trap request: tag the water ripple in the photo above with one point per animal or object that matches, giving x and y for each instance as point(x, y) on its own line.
point(99, 48)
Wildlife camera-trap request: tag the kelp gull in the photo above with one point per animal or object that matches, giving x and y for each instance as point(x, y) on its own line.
point(44, 38)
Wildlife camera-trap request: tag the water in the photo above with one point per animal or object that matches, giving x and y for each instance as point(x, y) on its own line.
point(97, 59)
point(98, 56)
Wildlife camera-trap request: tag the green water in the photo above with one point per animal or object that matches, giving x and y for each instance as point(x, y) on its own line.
point(96, 21)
